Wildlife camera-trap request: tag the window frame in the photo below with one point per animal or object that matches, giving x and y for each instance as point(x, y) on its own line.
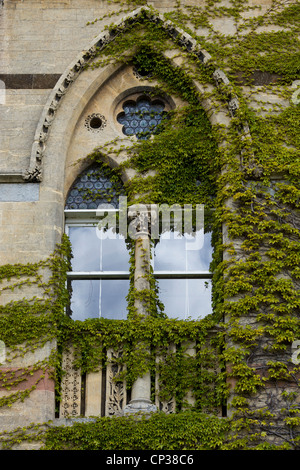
point(182, 275)
point(89, 218)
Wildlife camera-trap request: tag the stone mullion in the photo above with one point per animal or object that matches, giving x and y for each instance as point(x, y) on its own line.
point(140, 230)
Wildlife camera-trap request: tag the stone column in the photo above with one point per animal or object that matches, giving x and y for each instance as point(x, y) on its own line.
point(139, 215)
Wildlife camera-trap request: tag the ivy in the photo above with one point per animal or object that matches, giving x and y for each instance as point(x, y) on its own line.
point(187, 430)
point(249, 185)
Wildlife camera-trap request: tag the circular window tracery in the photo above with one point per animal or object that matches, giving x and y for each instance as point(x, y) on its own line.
point(142, 117)
point(95, 122)
point(141, 73)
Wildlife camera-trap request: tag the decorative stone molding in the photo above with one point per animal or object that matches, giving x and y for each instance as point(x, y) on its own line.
point(70, 404)
point(222, 80)
point(139, 406)
point(140, 221)
point(115, 395)
point(105, 391)
point(95, 122)
point(140, 74)
point(115, 389)
point(220, 77)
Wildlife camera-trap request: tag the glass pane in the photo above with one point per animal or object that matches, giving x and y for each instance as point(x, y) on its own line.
point(175, 252)
point(115, 256)
point(93, 187)
point(94, 298)
point(186, 298)
point(94, 250)
point(113, 299)
point(85, 299)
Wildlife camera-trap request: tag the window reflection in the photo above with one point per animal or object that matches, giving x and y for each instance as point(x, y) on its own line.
point(101, 263)
point(96, 298)
point(181, 264)
point(175, 252)
point(95, 250)
point(185, 298)
point(99, 257)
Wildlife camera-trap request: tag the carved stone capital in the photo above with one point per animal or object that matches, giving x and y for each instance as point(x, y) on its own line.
point(140, 221)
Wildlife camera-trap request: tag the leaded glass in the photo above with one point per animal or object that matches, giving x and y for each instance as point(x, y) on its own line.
point(141, 117)
point(93, 187)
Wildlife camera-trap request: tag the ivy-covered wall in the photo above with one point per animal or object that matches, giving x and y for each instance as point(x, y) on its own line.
point(248, 169)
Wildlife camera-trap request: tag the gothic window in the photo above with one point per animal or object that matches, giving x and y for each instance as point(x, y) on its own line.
point(99, 280)
point(92, 188)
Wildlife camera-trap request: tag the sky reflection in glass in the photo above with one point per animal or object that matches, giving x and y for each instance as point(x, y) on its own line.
point(97, 251)
point(91, 252)
point(183, 298)
point(172, 253)
point(95, 298)
point(186, 298)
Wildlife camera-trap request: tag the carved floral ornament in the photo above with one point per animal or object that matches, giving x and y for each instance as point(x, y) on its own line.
point(95, 122)
point(34, 171)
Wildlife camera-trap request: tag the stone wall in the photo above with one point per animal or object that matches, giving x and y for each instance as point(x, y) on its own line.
point(41, 40)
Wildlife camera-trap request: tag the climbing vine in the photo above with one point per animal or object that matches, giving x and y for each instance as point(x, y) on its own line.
point(249, 183)
point(30, 323)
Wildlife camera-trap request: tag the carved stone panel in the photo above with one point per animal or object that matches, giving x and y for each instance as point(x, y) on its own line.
point(70, 404)
point(116, 394)
point(168, 405)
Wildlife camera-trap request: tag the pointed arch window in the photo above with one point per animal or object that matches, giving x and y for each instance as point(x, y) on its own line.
point(99, 280)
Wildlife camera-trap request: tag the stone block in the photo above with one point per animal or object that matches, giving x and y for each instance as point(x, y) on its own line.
point(16, 192)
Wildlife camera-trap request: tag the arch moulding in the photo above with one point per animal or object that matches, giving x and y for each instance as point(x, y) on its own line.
point(219, 114)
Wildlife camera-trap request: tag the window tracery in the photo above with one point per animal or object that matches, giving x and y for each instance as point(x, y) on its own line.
point(142, 117)
point(95, 122)
point(93, 187)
